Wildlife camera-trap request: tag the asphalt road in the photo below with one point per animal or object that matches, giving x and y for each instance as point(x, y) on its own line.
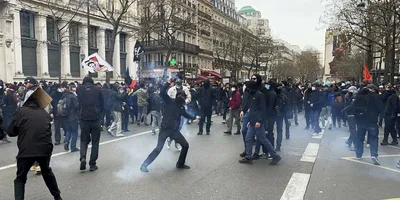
point(215, 173)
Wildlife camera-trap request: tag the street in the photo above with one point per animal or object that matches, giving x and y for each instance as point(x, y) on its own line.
point(311, 168)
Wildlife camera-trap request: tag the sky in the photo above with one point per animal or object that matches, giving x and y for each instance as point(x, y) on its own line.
point(295, 21)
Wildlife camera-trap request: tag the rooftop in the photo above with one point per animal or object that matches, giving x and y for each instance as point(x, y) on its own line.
point(247, 9)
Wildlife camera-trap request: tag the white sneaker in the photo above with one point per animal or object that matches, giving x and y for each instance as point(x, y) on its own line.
point(223, 121)
point(375, 160)
point(178, 146)
point(120, 135)
point(367, 145)
point(314, 134)
point(169, 143)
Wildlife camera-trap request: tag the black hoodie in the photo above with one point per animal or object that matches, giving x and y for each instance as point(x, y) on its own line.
point(105, 91)
point(372, 104)
point(91, 102)
point(392, 104)
point(207, 96)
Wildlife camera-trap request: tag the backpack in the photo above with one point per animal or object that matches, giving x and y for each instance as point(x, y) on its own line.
point(360, 106)
point(62, 108)
point(331, 97)
point(281, 101)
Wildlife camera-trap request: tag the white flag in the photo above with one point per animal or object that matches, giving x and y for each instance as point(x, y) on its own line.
point(95, 63)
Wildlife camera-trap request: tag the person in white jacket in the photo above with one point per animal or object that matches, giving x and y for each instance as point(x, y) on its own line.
point(172, 91)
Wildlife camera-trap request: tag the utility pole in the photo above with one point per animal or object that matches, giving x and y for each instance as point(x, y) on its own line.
point(393, 46)
point(88, 28)
point(184, 57)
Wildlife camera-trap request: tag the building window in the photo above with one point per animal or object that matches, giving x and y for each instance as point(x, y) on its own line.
point(122, 42)
point(74, 33)
point(27, 20)
point(52, 29)
point(93, 37)
point(108, 36)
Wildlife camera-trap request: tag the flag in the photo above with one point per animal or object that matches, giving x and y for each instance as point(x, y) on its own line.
point(128, 80)
point(95, 63)
point(367, 75)
point(139, 50)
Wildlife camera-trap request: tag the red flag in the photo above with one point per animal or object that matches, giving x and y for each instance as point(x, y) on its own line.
point(367, 75)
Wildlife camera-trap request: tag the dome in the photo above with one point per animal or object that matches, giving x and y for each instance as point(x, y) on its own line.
point(247, 9)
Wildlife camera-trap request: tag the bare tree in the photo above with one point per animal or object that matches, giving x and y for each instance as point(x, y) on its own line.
point(160, 22)
point(237, 49)
point(351, 64)
point(114, 12)
point(307, 66)
point(261, 51)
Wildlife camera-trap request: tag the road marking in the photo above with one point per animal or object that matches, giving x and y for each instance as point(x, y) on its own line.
point(296, 187)
point(90, 146)
point(392, 199)
point(310, 154)
point(372, 165)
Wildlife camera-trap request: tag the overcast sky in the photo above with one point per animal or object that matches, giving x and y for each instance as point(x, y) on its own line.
point(295, 21)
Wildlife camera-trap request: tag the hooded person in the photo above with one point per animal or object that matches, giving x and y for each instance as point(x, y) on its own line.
point(91, 104)
point(256, 120)
point(31, 124)
point(106, 91)
point(207, 97)
point(170, 128)
point(117, 98)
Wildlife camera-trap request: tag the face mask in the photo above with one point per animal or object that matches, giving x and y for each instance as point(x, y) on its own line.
point(312, 88)
point(233, 89)
point(267, 86)
point(59, 90)
point(121, 91)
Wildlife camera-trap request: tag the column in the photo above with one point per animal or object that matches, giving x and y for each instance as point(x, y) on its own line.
point(65, 54)
point(116, 59)
point(41, 51)
point(83, 42)
point(130, 45)
point(17, 44)
point(101, 45)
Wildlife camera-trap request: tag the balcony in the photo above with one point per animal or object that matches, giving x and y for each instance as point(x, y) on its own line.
point(205, 15)
point(184, 22)
point(206, 33)
point(206, 52)
point(159, 45)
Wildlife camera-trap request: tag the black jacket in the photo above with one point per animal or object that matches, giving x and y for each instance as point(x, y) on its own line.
point(56, 96)
point(72, 106)
point(105, 91)
point(257, 108)
point(2, 134)
point(172, 111)
point(32, 126)
point(117, 100)
point(392, 105)
point(91, 102)
point(373, 108)
point(155, 102)
point(316, 98)
point(271, 101)
point(206, 98)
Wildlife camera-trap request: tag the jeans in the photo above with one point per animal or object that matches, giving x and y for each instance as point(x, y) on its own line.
point(58, 124)
point(270, 130)
point(71, 133)
point(90, 132)
point(353, 130)
point(224, 110)
point(244, 126)
point(107, 115)
point(142, 114)
point(117, 123)
point(325, 116)
point(308, 116)
point(390, 129)
point(134, 114)
point(156, 120)
point(315, 121)
point(234, 114)
point(337, 117)
point(164, 134)
point(23, 167)
point(125, 120)
point(295, 113)
point(279, 130)
point(260, 133)
point(205, 115)
point(373, 132)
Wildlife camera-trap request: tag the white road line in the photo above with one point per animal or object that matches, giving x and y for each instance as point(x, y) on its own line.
point(296, 188)
point(101, 143)
point(310, 154)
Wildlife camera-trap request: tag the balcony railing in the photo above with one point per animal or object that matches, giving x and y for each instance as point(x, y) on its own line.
point(207, 52)
point(156, 45)
point(205, 15)
point(206, 33)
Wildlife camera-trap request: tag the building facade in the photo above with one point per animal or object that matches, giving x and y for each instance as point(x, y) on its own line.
point(255, 22)
point(32, 44)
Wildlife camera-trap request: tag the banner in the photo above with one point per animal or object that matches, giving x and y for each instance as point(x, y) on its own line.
point(139, 50)
point(94, 63)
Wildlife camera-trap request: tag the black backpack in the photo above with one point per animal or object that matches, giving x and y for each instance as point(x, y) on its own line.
point(361, 105)
point(281, 102)
point(62, 107)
